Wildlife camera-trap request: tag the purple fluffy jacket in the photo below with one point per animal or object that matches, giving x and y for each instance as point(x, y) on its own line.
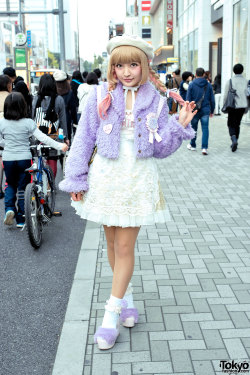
point(90, 131)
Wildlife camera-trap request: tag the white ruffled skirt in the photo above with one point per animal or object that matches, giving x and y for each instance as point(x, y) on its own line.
point(125, 192)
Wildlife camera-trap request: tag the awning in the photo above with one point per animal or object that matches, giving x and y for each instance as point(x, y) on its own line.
point(162, 53)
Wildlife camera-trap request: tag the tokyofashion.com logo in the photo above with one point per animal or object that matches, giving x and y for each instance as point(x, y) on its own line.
point(232, 367)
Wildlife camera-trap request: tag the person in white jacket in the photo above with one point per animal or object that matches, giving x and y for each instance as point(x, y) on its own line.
point(84, 89)
point(15, 130)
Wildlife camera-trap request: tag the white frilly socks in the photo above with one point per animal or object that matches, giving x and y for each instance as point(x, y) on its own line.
point(129, 296)
point(112, 311)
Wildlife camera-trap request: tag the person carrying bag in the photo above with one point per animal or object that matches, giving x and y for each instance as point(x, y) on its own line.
point(235, 103)
point(230, 101)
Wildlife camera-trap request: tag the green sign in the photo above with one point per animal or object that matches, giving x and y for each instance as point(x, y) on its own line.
point(20, 57)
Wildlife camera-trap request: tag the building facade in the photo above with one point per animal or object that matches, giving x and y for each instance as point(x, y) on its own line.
point(214, 35)
point(44, 33)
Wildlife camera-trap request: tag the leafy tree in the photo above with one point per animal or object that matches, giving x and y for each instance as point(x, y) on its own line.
point(53, 60)
point(97, 61)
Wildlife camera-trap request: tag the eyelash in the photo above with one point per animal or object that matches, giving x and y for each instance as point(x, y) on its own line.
point(132, 64)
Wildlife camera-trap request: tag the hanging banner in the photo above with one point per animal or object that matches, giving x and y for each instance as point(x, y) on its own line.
point(170, 15)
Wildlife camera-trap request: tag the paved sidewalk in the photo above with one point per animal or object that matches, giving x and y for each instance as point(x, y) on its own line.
point(192, 275)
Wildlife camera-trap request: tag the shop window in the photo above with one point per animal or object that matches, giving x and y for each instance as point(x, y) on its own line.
point(240, 30)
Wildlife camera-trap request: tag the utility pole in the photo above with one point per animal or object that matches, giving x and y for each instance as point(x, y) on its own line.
point(62, 36)
point(78, 37)
point(20, 16)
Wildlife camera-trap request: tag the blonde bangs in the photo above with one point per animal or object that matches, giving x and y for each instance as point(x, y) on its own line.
point(126, 55)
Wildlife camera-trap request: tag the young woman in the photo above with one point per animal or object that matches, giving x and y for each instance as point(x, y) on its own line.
point(16, 130)
point(63, 89)
point(21, 87)
point(53, 106)
point(128, 121)
point(84, 89)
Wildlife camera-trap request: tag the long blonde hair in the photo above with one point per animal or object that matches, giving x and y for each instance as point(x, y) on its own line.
point(125, 55)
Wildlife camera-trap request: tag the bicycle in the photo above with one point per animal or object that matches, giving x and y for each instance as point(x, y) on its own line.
point(39, 196)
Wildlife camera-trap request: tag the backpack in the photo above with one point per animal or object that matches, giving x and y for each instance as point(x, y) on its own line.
point(47, 121)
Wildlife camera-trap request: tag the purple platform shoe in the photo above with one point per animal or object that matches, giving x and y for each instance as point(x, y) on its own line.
point(128, 316)
point(105, 338)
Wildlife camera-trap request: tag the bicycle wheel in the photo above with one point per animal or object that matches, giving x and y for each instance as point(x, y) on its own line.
point(32, 215)
point(51, 191)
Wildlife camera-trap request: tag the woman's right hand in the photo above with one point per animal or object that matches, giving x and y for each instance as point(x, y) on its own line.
point(76, 197)
point(65, 147)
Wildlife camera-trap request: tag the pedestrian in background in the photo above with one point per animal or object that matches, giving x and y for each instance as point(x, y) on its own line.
point(98, 73)
point(84, 89)
point(174, 83)
point(63, 89)
point(16, 129)
point(5, 89)
point(76, 81)
point(186, 79)
point(84, 76)
point(52, 107)
point(217, 94)
point(128, 121)
point(9, 71)
point(201, 91)
point(208, 76)
point(239, 83)
point(21, 87)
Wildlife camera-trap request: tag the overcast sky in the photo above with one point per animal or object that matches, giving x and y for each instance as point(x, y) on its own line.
point(94, 18)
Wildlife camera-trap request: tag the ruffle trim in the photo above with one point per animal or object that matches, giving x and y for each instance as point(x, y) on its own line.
point(159, 217)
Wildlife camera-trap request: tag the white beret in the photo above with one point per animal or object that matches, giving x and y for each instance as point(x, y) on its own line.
point(130, 40)
point(59, 75)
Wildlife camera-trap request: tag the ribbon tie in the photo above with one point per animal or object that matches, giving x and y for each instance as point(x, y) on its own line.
point(152, 126)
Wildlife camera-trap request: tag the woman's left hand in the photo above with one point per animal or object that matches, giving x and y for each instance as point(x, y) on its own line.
point(187, 113)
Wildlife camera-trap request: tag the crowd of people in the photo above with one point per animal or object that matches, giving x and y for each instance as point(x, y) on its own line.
point(54, 110)
point(209, 102)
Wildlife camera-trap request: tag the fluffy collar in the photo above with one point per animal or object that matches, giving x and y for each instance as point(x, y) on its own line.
point(144, 98)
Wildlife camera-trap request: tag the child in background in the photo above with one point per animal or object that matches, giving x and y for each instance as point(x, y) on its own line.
point(15, 130)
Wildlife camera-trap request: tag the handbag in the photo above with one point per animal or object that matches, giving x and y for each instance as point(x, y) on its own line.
point(230, 100)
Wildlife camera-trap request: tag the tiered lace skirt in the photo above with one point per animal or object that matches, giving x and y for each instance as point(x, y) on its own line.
point(125, 192)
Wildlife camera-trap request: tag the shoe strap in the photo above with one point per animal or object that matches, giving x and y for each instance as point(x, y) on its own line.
point(113, 308)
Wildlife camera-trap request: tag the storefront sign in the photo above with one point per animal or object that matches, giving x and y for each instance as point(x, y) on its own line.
point(172, 60)
point(146, 5)
point(170, 14)
point(20, 39)
point(20, 57)
point(146, 20)
point(29, 38)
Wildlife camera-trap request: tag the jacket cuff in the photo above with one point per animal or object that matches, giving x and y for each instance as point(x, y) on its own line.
point(179, 130)
point(75, 185)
